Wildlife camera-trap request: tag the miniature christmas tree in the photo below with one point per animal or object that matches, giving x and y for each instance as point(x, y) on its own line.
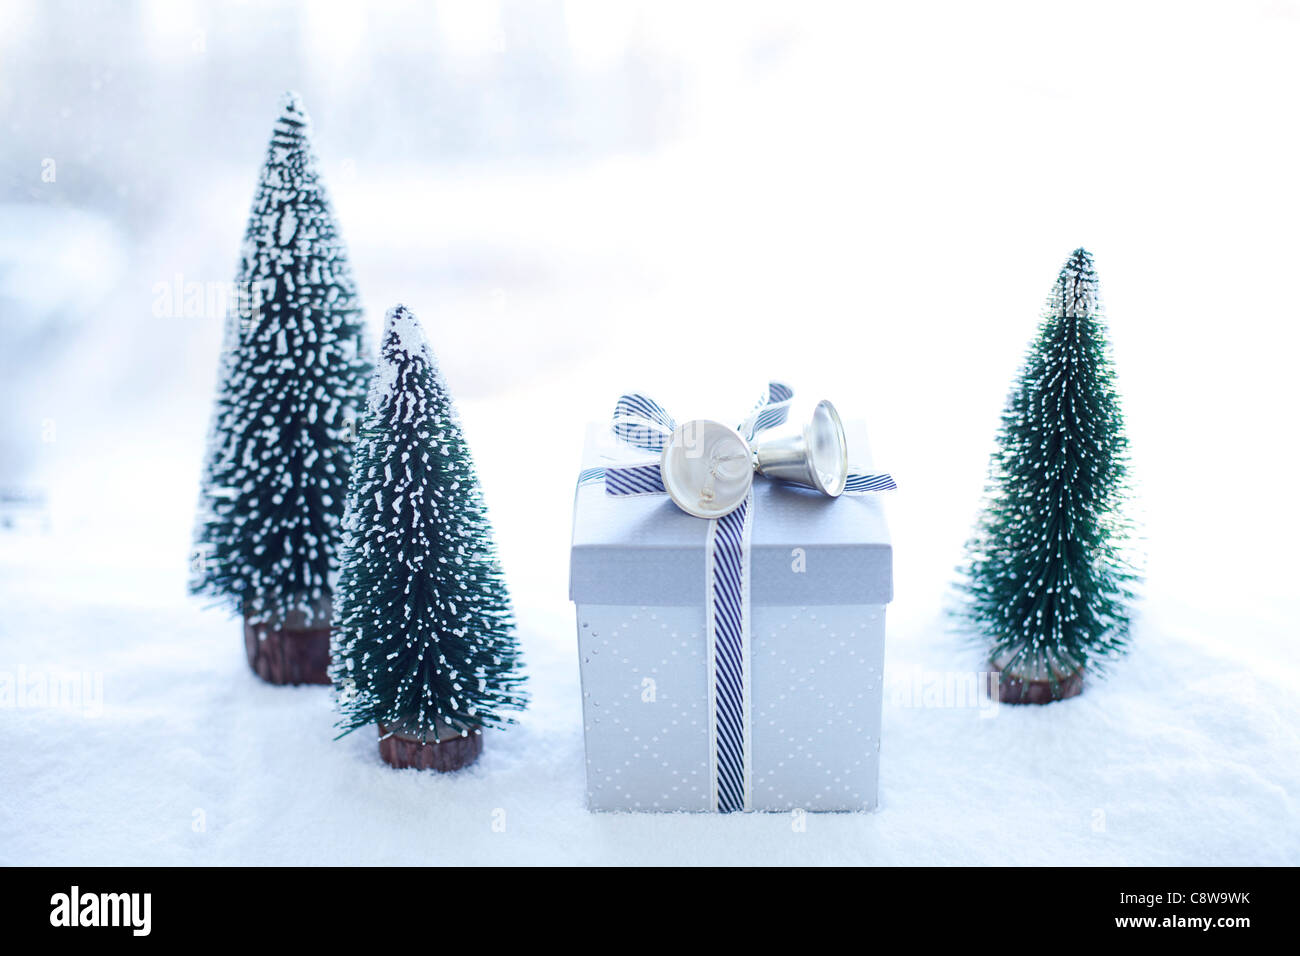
point(1047, 580)
point(423, 636)
point(293, 373)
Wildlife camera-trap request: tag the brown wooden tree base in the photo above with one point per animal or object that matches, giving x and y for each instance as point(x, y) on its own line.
point(453, 753)
point(288, 655)
point(1016, 690)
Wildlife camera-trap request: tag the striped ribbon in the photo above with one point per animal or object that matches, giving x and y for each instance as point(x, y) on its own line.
point(642, 422)
point(728, 644)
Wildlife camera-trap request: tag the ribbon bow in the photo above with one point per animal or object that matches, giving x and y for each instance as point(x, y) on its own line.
point(642, 422)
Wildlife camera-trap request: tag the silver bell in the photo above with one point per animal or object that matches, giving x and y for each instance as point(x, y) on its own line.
point(707, 468)
point(817, 457)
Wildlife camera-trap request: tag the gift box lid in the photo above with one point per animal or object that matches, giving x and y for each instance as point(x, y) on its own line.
point(805, 549)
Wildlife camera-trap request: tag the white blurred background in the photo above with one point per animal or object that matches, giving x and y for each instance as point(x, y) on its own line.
point(580, 197)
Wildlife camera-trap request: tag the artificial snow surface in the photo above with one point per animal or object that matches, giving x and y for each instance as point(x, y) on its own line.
point(1187, 755)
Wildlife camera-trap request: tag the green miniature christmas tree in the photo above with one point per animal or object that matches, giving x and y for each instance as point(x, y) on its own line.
point(1048, 583)
point(293, 374)
point(424, 641)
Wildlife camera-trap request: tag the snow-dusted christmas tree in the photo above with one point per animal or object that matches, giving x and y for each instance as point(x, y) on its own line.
point(293, 375)
point(424, 641)
point(1047, 579)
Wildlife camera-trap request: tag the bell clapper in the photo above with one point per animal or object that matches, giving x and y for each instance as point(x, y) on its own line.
point(715, 464)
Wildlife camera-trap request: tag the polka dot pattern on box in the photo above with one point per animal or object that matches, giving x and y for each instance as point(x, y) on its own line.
point(815, 682)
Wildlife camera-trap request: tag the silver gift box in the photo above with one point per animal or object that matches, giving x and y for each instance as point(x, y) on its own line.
point(821, 573)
